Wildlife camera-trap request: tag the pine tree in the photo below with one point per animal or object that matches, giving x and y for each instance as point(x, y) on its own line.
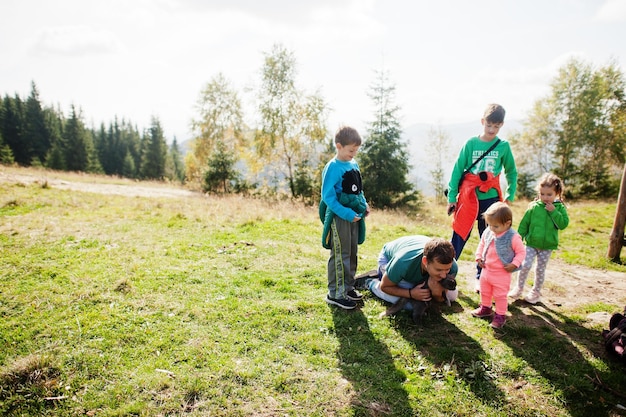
point(175, 168)
point(6, 155)
point(220, 172)
point(384, 158)
point(154, 152)
point(35, 132)
point(12, 129)
point(129, 169)
point(77, 149)
point(55, 158)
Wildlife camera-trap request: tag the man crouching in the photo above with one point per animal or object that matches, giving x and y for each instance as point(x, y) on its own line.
point(412, 271)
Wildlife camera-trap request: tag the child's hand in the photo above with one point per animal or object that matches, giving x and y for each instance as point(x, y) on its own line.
point(550, 207)
point(356, 219)
point(480, 263)
point(510, 267)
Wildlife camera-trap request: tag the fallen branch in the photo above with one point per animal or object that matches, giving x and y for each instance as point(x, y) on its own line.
point(598, 382)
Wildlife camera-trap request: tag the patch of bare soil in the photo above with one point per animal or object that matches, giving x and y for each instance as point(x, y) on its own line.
point(567, 286)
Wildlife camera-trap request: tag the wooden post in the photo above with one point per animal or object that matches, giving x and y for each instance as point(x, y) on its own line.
point(616, 240)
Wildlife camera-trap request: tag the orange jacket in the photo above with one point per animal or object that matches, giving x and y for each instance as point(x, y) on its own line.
point(466, 210)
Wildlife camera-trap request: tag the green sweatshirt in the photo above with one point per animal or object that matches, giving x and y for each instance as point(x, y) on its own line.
point(500, 158)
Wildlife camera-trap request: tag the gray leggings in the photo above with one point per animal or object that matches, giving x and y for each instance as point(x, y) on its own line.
point(543, 256)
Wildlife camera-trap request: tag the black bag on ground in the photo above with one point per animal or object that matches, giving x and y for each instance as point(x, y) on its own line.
point(615, 337)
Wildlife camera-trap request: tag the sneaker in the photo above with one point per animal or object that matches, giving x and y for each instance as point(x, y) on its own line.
point(370, 283)
point(341, 302)
point(482, 311)
point(533, 296)
point(498, 321)
point(360, 281)
point(516, 292)
point(477, 286)
point(354, 295)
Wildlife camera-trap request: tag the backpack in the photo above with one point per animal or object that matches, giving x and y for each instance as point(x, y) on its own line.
point(615, 337)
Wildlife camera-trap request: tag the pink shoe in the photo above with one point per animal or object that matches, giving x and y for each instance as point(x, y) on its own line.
point(498, 321)
point(482, 311)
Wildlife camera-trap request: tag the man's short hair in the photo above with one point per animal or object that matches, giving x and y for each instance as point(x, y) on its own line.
point(494, 113)
point(440, 250)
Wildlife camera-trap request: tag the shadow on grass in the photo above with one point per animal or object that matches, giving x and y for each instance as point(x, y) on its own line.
point(553, 345)
point(442, 342)
point(369, 366)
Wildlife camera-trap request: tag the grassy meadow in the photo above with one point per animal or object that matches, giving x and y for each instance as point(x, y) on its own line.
point(115, 305)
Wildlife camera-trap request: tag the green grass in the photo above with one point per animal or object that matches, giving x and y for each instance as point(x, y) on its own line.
point(117, 306)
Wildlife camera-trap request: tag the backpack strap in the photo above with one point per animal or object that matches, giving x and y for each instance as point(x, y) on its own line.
point(491, 148)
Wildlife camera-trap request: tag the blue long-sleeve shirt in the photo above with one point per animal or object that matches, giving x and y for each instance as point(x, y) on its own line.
point(341, 177)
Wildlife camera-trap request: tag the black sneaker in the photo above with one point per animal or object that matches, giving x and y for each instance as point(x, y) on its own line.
point(341, 302)
point(354, 295)
point(361, 281)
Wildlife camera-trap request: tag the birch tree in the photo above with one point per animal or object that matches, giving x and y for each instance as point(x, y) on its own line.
point(292, 124)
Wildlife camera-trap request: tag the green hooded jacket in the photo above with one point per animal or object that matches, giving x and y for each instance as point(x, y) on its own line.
point(540, 228)
point(356, 202)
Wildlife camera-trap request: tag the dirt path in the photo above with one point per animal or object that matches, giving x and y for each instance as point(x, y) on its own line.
point(128, 189)
point(566, 285)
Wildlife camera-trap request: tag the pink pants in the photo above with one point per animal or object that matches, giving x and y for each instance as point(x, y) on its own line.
point(494, 285)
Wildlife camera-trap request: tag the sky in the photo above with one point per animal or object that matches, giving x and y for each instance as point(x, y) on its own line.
point(135, 59)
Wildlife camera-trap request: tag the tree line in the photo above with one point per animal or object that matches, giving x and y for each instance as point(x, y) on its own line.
point(284, 153)
point(577, 131)
point(32, 134)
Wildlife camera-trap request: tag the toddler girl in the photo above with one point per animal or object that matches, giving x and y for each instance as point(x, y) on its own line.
point(500, 252)
point(539, 228)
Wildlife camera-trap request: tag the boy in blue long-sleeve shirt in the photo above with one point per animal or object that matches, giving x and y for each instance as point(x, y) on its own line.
point(344, 208)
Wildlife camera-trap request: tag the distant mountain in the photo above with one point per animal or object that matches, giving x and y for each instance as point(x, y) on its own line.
point(422, 159)
point(185, 146)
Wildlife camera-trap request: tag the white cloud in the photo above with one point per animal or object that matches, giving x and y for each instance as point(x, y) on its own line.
point(277, 11)
point(75, 41)
point(612, 11)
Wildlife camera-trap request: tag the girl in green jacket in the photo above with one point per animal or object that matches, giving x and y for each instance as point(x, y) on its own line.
point(539, 228)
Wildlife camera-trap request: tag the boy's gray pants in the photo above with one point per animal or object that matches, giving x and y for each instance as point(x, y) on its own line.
point(343, 257)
